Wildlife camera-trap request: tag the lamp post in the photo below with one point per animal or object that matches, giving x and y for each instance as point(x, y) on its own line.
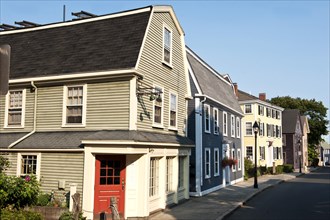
point(299, 154)
point(255, 129)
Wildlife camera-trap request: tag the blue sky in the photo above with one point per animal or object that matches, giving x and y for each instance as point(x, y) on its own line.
point(277, 47)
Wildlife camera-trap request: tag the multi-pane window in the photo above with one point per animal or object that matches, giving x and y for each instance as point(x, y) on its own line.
point(207, 118)
point(74, 105)
point(28, 165)
point(238, 127)
point(262, 153)
point(239, 161)
point(248, 109)
point(249, 152)
point(268, 112)
point(154, 177)
point(275, 153)
point(261, 129)
point(158, 106)
point(167, 46)
point(207, 163)
point(173, 110)
point(225, 126)
point(15, 108)
point(216, 162)
point(110, 172)
point(273, 113)
point(233, 155)
point(278, 115)
point(216, 120)
point(260, 110)
point(169, 174)
point(232, 127)
point(248, 128)
point(181, 171)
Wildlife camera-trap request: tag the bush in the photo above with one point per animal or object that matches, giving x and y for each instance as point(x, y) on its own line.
point(315, 162)
point(7, 214)
point(287, 168)
point(279, 169)
point(4, 163)
point(249, 169)
point(18, 192)
point(69, 216)
point(43, 199)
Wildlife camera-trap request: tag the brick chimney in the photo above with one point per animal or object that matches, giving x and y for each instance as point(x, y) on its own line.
point(262, 96)
point(236, 89)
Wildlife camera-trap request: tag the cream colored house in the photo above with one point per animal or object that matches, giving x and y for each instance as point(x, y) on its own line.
point(269, 137)
point(97, 105)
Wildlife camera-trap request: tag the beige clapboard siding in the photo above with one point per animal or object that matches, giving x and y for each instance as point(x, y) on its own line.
point(12, 158)
point(2, 111)
point(108, 105)
point(155, 73)
point(61, 166)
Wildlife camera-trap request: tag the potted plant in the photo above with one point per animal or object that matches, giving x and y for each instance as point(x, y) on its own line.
point(228, 162)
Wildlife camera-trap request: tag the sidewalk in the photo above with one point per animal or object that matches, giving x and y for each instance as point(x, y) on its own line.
point(217, 205)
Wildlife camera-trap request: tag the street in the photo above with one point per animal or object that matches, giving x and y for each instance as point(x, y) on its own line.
point(305, 197)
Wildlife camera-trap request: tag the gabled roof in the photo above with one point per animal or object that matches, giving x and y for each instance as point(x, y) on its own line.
point(243, 96)
point(211, 83)
point(104, 43)
point(289, 120)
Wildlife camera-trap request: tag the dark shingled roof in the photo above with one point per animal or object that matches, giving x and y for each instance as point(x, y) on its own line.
point(243, 96)
point(73, 139)
point(7, 138)
point(101, 45)
point(212, 86)
point(289, 120)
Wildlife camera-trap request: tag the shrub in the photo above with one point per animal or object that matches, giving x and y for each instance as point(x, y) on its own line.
point(43, 199)
point(287, 168)
point(4, 163)
point(279, 169)
point(18, 192)
point(7, 214)
point(315, 162)
point(249, 169)
point(69, 216)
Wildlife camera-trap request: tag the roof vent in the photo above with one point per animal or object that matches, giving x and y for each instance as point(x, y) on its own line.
point(26, 23)
point(7, 27)
point(82, 15)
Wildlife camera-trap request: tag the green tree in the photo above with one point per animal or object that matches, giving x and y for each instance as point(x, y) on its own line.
point(316, 113)
point(4, 163)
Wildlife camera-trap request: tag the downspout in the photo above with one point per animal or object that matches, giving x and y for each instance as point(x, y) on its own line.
point(200, 134)
point(34, 118)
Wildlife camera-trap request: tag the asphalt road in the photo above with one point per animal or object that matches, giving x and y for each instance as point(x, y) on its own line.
point(305, 197)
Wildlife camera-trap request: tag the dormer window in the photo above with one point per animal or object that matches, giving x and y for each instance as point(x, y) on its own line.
point(167, 46)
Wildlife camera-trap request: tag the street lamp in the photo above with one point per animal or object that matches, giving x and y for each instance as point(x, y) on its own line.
point(255, 129)
point(299, 154)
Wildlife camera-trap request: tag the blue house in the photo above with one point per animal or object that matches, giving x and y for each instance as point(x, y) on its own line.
point(214, 124)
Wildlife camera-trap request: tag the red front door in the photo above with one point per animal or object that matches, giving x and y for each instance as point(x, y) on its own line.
point(109, 182)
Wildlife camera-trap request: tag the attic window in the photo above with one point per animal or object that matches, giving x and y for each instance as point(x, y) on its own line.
point(167, 46)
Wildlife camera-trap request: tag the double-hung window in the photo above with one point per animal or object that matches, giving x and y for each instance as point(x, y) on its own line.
point(225, 125)
point(207, 163)
point(181, 171)
point(216, 162)
point(169, 174)
point(28, 164)
point(216, 120)
point(207, 118)
point(232, 127)
point(249, 152)
point(248, 109)
point(238, 127)
point(233, 154)
point(158, 107)
point(262, 153)
point(239, 161)
point(248, 128)
point(74, 111)
point(15, 110)
point(167, 46)
point(173, 110)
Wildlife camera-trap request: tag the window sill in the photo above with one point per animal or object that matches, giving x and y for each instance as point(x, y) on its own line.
point(170, 193)
point(207, 132)
point(167, 64)
point(159, 126)
point(13, 127)
point(73, 126)
point(172, 128)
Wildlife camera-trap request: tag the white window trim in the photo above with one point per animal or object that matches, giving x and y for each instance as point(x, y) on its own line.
point(245, 109)
point(65, 97)
point(238, 127)
point(225, 125)
point(209, 113)
point(216, 122)
point(156, 124)
point(216, 153)
point(251, 129)
point(233, 168)
point(232, 125)
point(239, 159)
point(207, 151)
point(169, 112)
point(252, 159)
point(19, 163)
point(171, 49)
point(23, 110)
